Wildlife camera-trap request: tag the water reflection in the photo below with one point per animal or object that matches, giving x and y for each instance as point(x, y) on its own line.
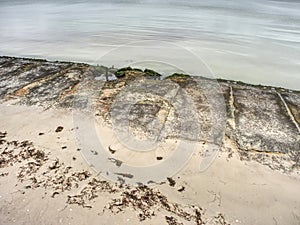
point(257, 41)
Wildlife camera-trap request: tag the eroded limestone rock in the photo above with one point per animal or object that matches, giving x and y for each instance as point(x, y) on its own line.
point(263, 121)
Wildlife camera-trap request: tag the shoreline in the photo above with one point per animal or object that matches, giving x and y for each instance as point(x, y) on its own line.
point(48, 175)
point(217, 78)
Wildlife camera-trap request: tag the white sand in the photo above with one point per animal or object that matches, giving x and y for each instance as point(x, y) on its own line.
point(244, 192)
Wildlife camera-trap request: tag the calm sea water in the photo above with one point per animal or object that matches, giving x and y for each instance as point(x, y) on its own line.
point(255, 41)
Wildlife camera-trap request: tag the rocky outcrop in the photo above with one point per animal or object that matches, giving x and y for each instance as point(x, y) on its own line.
point(262, 121)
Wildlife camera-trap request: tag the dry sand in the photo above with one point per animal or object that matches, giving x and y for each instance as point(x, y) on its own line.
point(61, 188)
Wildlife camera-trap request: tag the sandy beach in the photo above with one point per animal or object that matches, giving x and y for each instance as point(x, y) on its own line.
point(231, 191)
point(149, 112)
point(48, 177)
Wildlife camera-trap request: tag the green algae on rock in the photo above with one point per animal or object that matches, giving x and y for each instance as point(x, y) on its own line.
point(262, 121)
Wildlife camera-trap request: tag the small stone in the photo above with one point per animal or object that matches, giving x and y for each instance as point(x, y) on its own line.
point(171, 181)
point(59, 129)
point(181, 189)
point(112, 151)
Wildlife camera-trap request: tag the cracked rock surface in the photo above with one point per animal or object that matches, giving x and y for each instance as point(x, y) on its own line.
point(45, 178)
point(260, 119)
